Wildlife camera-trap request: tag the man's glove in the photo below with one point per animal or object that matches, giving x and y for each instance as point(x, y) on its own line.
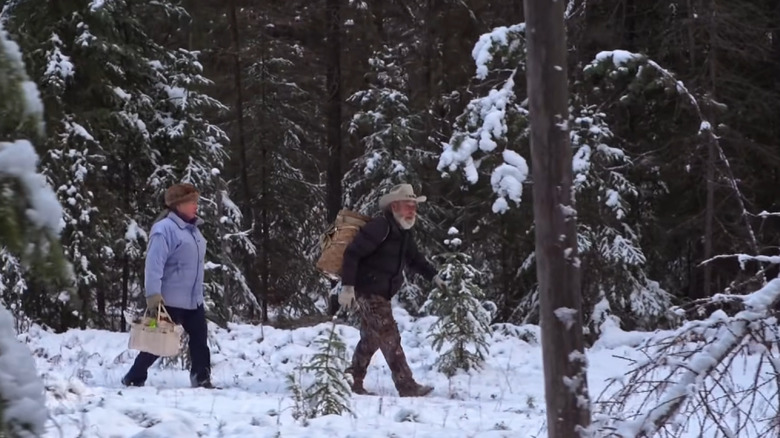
point(152, 302)
point(347, 297)
point(439, 283)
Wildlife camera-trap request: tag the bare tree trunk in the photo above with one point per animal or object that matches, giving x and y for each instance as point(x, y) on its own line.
point(709, 219)
point(265, 184)
point(709, 214)
point(776, 57)
point(333, 108)
point(125, 287)
point(227, 300)
point(248, 204)
point(557, 262)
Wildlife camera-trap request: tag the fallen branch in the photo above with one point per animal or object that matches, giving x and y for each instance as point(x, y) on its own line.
point(686, 375)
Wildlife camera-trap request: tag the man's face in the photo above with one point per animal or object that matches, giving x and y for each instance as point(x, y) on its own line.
point(405, 212)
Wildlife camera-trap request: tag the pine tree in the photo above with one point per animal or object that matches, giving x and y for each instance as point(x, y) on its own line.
point(194, 152)
point(329, 392)
point(29, 233)
point(464, 315)
point(385, 128)
point(493, 132)
point(29, 213)
point(126, 119)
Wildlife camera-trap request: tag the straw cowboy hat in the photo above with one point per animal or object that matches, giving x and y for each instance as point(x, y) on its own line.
point(401, 192)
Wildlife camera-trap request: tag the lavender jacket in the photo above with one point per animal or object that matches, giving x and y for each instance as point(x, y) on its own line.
point(174, 262)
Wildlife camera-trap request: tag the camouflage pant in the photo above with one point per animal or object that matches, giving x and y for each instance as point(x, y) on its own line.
point(378, 331)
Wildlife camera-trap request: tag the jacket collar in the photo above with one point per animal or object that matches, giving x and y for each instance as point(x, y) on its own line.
point(180, 222)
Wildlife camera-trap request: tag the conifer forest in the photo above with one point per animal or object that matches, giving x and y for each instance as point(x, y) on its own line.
point(284, 112)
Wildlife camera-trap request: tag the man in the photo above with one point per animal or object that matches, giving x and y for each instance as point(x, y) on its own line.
point(372, 272)
point(174, 277)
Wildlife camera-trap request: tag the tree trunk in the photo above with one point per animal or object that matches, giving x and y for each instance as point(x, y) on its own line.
point(709, 213)
point(333, 108)
point(557, 262)
point(226, 298)
point(248, 208)
point(265, 193)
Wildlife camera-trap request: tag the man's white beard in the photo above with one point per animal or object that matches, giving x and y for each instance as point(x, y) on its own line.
point(404, 223)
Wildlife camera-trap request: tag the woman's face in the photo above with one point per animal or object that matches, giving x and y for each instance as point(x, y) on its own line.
point(188, 209)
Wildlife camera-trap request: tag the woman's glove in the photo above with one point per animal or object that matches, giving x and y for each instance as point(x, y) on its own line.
point(152, 302)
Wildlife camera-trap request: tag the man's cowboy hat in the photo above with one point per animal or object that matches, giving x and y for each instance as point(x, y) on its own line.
point(401, 192)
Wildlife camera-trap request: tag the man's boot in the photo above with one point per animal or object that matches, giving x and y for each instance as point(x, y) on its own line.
point(415, 390)
point(357, 382)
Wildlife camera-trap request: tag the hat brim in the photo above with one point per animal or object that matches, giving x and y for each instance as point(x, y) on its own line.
point(386, 200)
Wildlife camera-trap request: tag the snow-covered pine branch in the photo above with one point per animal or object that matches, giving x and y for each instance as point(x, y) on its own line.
point(484, 129)
point(691, 377)
point(642, 71)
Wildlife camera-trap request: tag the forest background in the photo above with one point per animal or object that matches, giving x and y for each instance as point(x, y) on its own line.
point(282, 113)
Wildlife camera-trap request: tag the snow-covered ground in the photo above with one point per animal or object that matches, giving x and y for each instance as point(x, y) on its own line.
point(82, 372)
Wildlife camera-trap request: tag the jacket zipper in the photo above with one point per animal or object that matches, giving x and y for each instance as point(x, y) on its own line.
point(197, 269)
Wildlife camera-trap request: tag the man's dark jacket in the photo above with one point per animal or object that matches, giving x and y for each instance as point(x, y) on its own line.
point(374, 264)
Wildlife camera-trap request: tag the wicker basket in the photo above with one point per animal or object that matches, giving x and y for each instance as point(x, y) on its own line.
point(159, 336)
point(335, 240)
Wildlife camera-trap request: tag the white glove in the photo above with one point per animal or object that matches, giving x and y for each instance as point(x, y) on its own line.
point(347, 297)
point(439, 283)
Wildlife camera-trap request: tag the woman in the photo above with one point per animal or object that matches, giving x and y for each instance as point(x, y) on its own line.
point(174, 276)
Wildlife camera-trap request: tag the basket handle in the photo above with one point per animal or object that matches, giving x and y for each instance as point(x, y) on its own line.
point(162, 311)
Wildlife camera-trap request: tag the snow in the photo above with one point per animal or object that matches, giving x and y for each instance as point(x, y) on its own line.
point(78, 130)
point(619, 57)
point(33, 106)
point(489, 43)
point(82, 369)
point(566, 315)
point(19, 160)
point(21, 389)
point(95, 5)
point(177, 95)
point(134, 231)
point(59, 64)
point(122, 94)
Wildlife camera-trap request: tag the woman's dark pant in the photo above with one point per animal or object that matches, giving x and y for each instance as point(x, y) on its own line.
point(194, 323)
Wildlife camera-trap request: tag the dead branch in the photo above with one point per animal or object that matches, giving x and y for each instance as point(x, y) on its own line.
point(687, 377)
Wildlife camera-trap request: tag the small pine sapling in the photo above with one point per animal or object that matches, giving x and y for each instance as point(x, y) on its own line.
point(329, 393)
point(464, 315)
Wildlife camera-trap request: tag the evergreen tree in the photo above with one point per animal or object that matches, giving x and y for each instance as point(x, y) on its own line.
point(125, 115)
point(464, 315)
point(385, 127)
point(29, 231)
point(329, 391)
point(193, 151)
point(30, 216)
point(279, 157)
point(609, 202)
